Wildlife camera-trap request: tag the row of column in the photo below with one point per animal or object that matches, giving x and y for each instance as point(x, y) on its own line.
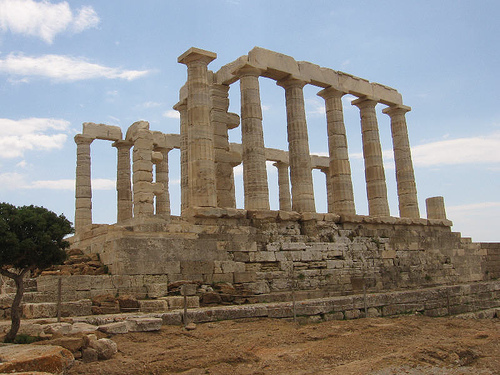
point(138, 204)
point(201, 164)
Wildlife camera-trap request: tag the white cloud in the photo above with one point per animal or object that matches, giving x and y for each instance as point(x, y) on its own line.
point(62, 68)
point(172, 114)
point(14, 181)
point(17, 136)
point(149, 105)
point(315, 106)
point(43, 19)
point(473, 207)
point(473, 150)
point(266, 107)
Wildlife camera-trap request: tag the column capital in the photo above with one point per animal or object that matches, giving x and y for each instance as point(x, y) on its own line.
point(397, 109)
point(122, 144)
point(180, 106)
point(290, 81)
point(279, 164)
point(331, 92)
point(81, 139)
point(247, 70)
point(365, 102)
point(196, 54)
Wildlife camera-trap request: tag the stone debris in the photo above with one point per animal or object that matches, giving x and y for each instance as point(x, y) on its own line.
point(49, 358)
point(144, 324)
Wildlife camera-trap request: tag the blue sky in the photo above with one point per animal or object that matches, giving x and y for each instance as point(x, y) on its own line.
point(115, 62)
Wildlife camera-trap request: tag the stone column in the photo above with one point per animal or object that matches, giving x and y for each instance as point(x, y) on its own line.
point(221, 121)
point(405, 176)
point(298, 146)
point(329, 189)
point(144, 189)
point(283, 186)
point(252, 141)
point(372, 152)
point(435, 208)
point(163, 197)
point(201, 160)
point(83, 188)
point(123, 181)
point(342, 196)
point(182, 108)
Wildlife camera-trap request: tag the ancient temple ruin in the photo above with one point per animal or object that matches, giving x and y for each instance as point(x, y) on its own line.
point(255, 247)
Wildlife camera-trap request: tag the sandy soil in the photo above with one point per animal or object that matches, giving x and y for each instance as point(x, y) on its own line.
point(381, 346)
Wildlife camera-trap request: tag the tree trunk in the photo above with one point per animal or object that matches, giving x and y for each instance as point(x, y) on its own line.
point(15, 310)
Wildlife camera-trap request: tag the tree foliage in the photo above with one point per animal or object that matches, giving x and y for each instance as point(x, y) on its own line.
point(30, 237)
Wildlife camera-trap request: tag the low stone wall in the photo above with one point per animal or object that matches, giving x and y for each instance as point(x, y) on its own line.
point(438, 301)
point(490, 260)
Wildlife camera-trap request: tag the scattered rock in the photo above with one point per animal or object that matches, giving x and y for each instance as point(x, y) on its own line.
point(191, 326)
point(105, 348)
point(210, 298)
point(128, 303)
point(114, 328)
point(105, 304)
point(73, 344)
point(89, 355)
point(144, 324)
point(45, 358)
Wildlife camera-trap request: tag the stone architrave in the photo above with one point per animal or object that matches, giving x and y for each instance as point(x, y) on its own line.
point(83, 188)
point(405, 176)
point(329, 190)
point(252, 140)
point(201, 158)
point(376, 187)
point(181, 107)
point(342, 196)
point(298, 146)
point(224, 174)
point(163, 197)
point(123, 181)
point(283, 186)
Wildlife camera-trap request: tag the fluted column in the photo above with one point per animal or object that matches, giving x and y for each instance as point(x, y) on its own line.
point(372, 152)
point(342, 196)
point(329, 190)
point(123, 181)
point(163, 197)
point(83, 188)
point(298, 146)
point(283, 186)
point(405, 176)
point(144, 189)
point(201, 160)
point(435, 208)
point(252, 141)
point(182, 108)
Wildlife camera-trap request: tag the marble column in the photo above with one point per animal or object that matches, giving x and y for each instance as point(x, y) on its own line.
point(283, 186)
point(143, 187)
point(123, 181)
point(372, 152)
point(182, 108)
point(201, 159)
point(163, 197)
point(342, 196)
point(298, 146)
point(405, 176)
point(329, 189)
point(435, 208)
point(252, 141)
point(83, 188)
point(220, 118)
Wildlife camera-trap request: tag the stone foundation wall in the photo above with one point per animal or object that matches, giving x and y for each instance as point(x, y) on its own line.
point(274, 251)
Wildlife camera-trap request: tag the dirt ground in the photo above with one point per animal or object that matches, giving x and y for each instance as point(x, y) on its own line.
point(381, 346)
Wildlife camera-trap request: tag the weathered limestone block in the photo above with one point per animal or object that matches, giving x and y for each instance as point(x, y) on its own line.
point(157, 290)
point(114, 328)
point(177, 302)
point(102, 131)
point(153, 305)
point(48, 358)
point(144, 324)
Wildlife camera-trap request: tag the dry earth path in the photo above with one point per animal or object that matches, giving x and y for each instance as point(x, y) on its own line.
point(381, 346)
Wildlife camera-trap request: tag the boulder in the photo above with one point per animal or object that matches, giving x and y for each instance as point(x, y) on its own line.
point(73, 344)
point(89, 355)
point(114, 328)
point(42, 358)
point(105, 348)
point(144, 324)
point(128, 303)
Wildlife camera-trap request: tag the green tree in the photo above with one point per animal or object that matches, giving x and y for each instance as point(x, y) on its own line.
point(30, 237)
